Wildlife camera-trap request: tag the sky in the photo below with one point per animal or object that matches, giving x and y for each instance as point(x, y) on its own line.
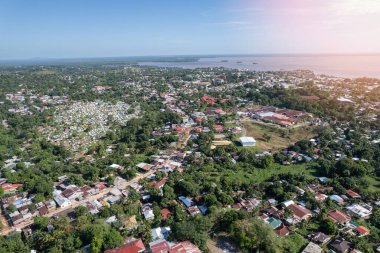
point(112, 28)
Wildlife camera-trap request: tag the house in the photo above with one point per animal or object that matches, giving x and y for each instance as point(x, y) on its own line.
point(133, 246)
point(188, 202)
point(337, 199)
point(321, 197)
point(362, 231)
point(282, 230)
point(287, 203)
point(148, 211)
point(299, 212)
point(264, 217)
point(247, 141)
point(62, 201)
point(203, 209)
point(185, 247)
point(144, 166)
point(50, 205)
point(72, 192)
point(272, 202)
point(312, 248)
point(338, 216)
point(159, 246)
point(165, 213)
point(299, 190)
point(353, 194)
point(160, 233)
point(17, 219)
point(148, 214)
point(323, 179)
point(340, 246)
point(111, 220)
point(218, 128)
point(43, 210)
point(10, 188)
point(273, 222)
point(321, 238)
point(159, 184)
point(113, 199)
point(359, 210)
point(193, 210)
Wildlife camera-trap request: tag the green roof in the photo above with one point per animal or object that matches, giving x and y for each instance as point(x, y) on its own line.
point(274, 223)
point(354, 223)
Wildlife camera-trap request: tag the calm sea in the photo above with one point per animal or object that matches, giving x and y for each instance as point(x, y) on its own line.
point(336, 65)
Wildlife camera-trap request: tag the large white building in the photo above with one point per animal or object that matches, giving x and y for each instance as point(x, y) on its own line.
point(62, 201)
point(247, 141)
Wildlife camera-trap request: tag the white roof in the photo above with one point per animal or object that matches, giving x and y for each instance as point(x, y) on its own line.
point(266, 114)
point(148, 214)
point(61, 200)
point(115, 192)
point(111, 219)
point(247, 139)
point(288, 203)
point(312, 248)
point(158, 233)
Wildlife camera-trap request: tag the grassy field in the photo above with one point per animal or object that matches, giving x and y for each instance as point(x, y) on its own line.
point(279, 137)
point(45, 72)
point(374, 183)
point(261, 175)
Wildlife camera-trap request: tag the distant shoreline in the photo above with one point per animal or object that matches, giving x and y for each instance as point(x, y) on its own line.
point(339, 65)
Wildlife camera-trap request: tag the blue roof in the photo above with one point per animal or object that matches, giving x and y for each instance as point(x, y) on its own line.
point(336, 198)
point(308, 158)
point(203, 209)
point(323, 179)
point(186, 201)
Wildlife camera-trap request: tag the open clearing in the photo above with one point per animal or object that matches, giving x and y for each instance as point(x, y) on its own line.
point(374, 183)
point(279, 137)
point(221, 244)
point(260, 175)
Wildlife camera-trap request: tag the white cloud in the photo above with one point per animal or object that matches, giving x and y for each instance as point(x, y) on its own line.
point(355, 7)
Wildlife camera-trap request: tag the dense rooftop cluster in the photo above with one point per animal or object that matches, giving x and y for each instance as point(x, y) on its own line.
point(141, 159)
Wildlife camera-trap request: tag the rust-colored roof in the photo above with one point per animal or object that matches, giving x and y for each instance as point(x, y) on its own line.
point(338, 216)
point(282, 231)
point(185, 247)
point(362, 230)
point(300, 211)
point(352, 194)
point(165, 213)
point(130, 247)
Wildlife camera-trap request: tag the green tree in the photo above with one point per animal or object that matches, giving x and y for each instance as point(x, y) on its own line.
point(328, 227)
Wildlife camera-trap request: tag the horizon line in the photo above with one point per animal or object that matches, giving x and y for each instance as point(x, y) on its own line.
point(184, 55)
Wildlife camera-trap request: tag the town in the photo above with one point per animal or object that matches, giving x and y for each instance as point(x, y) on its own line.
point(142, 159)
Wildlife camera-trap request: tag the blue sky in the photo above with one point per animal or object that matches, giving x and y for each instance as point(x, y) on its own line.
point(94, 28)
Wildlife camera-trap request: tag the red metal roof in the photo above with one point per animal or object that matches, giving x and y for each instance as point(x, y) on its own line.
point(338, 216)
point(362, 230)
point(160, 247)
point(352, 194)
point(135, 246)
point(185, 247)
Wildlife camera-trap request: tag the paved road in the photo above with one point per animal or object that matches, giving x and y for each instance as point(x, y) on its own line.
point(74, 204)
